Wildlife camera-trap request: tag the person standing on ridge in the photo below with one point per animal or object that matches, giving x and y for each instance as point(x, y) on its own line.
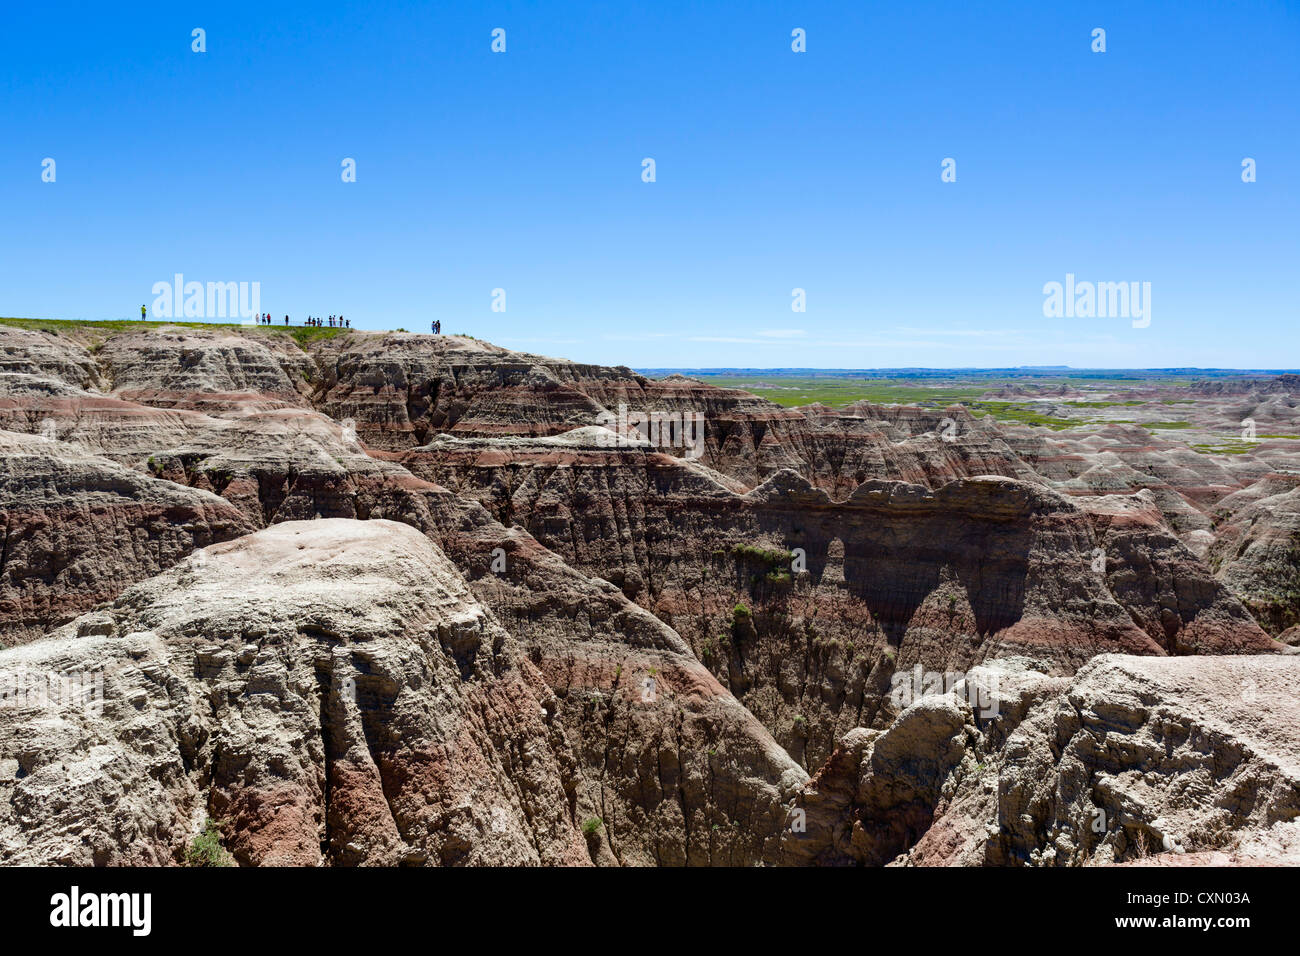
point(143, 313)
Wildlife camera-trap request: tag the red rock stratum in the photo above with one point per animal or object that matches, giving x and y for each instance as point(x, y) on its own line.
point(393, 599)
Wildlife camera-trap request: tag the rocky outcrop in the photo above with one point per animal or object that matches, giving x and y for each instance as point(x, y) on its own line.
point(805, 607)
point(169, 367)
point(402, 389)
point(482, 606)
point(33, 364)
point(331, 692)
point(78, 529)
point(1167, 590)
point(1256, 550)
point(1132, 758)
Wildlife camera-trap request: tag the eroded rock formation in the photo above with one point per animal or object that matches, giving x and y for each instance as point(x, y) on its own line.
point(390, 598)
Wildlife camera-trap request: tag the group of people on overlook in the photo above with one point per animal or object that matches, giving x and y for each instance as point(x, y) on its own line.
point(264, 318)
point(332, 322)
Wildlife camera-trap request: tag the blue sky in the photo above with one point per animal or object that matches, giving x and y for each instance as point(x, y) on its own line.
point(775, 170)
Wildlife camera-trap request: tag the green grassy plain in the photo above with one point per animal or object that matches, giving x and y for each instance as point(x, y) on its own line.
point(302, 334)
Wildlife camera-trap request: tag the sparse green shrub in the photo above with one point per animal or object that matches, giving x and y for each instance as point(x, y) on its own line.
point(206, 850)
point(754, 555)
point(591, 826)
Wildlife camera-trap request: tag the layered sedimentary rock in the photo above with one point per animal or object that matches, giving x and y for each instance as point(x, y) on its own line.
point(1167, 590)
point(1256, 551)
point(538, 638)
point(78, 529)
point(402, 388)
point(333, 693)
point(205, 370)
point(805, 607)
point(1132, 758)
point(35, 363)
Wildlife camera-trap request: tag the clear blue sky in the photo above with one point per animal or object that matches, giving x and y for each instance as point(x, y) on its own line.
point(775, 170)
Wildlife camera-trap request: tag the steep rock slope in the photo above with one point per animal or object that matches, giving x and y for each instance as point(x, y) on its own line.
point(817, 563)
point(205, 370)
point(596, 647)
point(807, 607)
point(1257, 549)
point(78, 529)
point(330, 692)
point(403, 390)
point(1132, 757)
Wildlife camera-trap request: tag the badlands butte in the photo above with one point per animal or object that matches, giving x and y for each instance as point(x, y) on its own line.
point(396, 599)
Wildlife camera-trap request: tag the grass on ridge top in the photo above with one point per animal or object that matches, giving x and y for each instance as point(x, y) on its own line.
point(302, 333)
